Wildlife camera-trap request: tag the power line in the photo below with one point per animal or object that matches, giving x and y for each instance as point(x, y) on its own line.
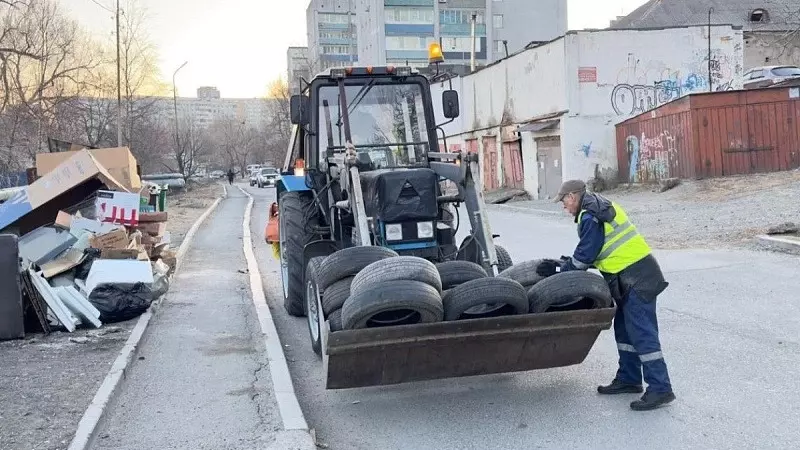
point(102, 6)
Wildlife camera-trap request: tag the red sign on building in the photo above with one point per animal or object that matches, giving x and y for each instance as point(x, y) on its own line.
point(587, 74)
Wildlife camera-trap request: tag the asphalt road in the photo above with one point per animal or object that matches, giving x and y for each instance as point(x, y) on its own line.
point(730, 332)
point(201, 380)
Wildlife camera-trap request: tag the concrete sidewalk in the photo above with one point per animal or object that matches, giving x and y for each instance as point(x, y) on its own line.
point(202, 378)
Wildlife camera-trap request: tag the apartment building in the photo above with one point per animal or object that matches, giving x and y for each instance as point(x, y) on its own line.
point(297, 68)
point(332, 34)
point(208, 107)
point(399, 31)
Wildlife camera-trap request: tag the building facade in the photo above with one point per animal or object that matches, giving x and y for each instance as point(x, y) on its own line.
point(208, 107)
point(331, 27)
point(770, 26)
point(298, 68)
point(398, 32)
point(583, 83)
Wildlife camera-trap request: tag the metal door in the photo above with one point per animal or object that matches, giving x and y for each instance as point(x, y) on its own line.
point(513, 175)
point(549, 158)
point(490, 163)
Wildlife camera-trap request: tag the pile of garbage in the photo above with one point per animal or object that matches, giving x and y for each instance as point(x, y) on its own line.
point(84, 245)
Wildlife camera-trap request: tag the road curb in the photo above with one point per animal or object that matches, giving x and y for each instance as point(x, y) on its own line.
point(285, 396)
point(94, 414)
point(781, 243)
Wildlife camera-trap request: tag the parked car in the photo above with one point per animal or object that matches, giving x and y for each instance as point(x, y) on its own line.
point(268, 176)
point(217, 174)
point(766, 76)
point(254, 177)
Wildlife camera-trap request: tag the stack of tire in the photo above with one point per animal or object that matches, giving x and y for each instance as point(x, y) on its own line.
point(365, 287)
point(469, 293)
point(562, 291)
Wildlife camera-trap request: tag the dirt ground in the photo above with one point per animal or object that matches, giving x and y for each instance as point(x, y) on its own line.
point(46, 382)
point(728, 211)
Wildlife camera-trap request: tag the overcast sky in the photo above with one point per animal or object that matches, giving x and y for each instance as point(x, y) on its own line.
point(240, 45)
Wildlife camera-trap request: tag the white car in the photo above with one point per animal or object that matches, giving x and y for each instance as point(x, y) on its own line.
point(267, 176)
point(254, 177)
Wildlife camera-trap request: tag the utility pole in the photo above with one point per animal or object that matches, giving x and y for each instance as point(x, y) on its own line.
point(175, 106)
point(350, 28)
point(710, 10)
point(119, 86)
point(472, 34)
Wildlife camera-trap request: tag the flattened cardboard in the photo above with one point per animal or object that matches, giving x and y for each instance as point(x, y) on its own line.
point(153, 216)
point(152, 228)
point(68, 260)
point(119, 162)
point(64, 220)
point(115, 240)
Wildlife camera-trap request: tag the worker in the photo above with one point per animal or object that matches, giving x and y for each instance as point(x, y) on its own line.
point(231, 174)
point(610, 243)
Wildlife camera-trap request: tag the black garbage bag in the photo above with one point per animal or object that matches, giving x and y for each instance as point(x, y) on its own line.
point(82, 271)
point(121, 302)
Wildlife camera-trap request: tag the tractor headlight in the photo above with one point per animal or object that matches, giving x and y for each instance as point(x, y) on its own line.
point(394, 232)
point(424, 230)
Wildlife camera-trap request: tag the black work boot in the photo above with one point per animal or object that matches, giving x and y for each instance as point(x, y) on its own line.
point(618, 387)
point(652, 400)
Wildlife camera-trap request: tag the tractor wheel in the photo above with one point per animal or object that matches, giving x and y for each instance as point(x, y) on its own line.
point(294, 235)
point(312, 302)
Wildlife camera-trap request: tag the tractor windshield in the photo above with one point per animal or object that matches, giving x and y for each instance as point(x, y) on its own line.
point(387, 122)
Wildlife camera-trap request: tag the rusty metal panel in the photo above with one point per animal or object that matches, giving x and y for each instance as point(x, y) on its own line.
point(513, 175)
point(657, 147)
point(490, 181)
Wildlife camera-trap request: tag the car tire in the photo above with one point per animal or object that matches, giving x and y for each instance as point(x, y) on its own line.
point(502, 296)
point(454, 273)
point(295, 235)
point(399, 302)
point(349, 261)
point(334, 296)
point(311, 304)
point(411, 268)
point(564, 289)
point(336, 321)
point(524, 273)
point(504, 261)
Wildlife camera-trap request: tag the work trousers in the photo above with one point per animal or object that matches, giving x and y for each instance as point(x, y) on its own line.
point(636, 333)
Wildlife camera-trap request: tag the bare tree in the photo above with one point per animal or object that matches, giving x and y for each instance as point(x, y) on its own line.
point(277, 126)
point(193, 151)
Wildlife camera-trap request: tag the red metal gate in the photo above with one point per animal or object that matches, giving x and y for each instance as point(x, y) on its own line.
point(490, 181)
point(513, 175)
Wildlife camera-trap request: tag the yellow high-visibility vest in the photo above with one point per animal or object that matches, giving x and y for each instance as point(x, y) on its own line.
point(623, 245)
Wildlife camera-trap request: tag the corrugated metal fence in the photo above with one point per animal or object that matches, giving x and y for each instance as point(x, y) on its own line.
point(712, 135)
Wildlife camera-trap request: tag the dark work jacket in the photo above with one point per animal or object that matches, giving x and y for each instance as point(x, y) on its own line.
point(644, 276)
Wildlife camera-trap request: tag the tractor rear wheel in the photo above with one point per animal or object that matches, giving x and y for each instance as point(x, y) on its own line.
point(294, 235)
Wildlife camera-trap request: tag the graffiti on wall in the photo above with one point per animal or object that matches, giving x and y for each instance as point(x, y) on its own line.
point(651, 158)
point(641, 86)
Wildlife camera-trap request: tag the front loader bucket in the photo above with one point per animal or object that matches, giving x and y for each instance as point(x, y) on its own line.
point(392, 355)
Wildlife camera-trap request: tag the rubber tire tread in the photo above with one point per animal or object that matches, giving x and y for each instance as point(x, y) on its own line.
point(336, 321)
point(524, 273)
point(392, 296)
point(504, 260)
point(484, 291)
point(334, 297)
point(454, 273)
point(409, 268)
point(564, 288)
point(312, 269)
point(349, 261)
point(292, 207)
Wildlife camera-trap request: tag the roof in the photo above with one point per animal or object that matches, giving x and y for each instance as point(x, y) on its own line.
point(782, 15)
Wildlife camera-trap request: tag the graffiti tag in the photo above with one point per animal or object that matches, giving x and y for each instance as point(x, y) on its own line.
point(650, 158)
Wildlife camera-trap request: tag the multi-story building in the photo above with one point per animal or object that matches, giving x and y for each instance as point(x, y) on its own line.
point(399, 31)
point(298, 68)
point(208, 92)
point(332, 33)
point(208, 108)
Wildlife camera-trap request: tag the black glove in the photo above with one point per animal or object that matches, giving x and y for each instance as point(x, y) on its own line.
point(548, 267)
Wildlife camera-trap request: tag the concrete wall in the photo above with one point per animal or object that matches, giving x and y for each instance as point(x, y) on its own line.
point(764, 48)
point(636, 71)
point(595, 79)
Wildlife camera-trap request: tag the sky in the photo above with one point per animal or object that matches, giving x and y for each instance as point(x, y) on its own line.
point(239, 46)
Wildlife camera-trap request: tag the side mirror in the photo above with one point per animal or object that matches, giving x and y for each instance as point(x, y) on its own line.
point(450, 104)
point(299, 106)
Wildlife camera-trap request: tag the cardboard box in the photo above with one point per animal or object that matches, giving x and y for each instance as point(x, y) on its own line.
point(37, 204)
point(117, 207)
point(119, 162)
point(115, 240)
point(64, 220)
point(152, 228)
point(153, 216)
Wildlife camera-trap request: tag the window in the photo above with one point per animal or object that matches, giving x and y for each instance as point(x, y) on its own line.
point(499, 47)
point(459, 17)
point(334, 18)
point(759, 15)
point(382, 118)
point(407, 42)
point(336, 49)
point(498, 20)
point(460, 44)
point(409, 15)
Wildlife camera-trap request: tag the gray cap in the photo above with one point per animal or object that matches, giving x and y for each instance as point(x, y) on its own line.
point(570, 187)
